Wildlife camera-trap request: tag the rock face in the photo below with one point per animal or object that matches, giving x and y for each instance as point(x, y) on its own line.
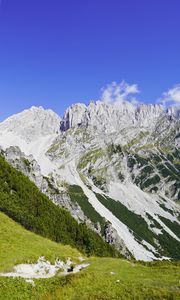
point(32, 124)
point(121, 162)
point(174, 112)
point(109, 117)
point(29, 167)
point(97, 115)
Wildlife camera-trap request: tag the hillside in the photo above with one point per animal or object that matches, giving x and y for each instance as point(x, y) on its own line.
point(18, 245)
point(105, 278)
point(114, 168)
point(108, 279)
point(21, 200)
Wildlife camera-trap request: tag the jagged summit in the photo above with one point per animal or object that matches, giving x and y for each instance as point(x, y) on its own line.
point(32, 123)
point(174, 111)
point(37, 121)
point(110, 117)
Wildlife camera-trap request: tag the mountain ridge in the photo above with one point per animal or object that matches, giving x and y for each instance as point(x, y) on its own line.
point(124, 153)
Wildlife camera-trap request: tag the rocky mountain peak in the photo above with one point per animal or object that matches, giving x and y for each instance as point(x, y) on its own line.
point(32, 123)
point(174, 112)
point(110, 117)
point(146, 115)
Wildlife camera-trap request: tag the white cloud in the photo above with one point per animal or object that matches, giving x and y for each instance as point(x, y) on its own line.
point(117, 93)
point(172, 96)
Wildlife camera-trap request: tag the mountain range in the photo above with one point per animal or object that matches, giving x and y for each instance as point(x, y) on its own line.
point(115, 168)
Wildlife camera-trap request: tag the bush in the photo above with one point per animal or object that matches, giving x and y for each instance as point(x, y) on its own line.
point(21, 200)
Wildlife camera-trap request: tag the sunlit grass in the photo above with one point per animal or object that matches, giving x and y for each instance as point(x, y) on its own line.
point(18, 245)
point(108, 279)
point(104, 279)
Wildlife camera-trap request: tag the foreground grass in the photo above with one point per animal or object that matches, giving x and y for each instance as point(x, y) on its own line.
point(17, 245)
point(128, 281)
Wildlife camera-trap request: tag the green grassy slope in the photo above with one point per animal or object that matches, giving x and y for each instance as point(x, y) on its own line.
point(18, 245)
point(21, 200)
point(128, 281)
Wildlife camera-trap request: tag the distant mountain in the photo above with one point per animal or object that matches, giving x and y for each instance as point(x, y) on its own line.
point(32, 124)
point(114, 167)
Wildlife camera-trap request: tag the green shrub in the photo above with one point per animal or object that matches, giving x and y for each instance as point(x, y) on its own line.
point(135, 222)
point(77, 195)
point(21, 200)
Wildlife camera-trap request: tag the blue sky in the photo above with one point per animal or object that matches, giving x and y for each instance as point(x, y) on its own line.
point(57, 52)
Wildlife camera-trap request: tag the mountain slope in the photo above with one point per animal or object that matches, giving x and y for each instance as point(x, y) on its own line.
point(17, 246)
point(105, 278)
point(124, 163)
point(120, 154)
point(21, 200)
point(33, 130)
